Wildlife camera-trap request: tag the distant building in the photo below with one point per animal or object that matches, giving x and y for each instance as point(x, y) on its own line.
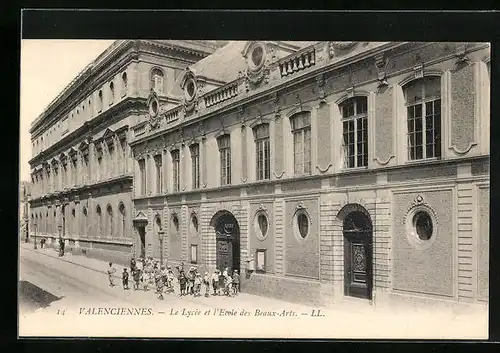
point(82, 168)
point(323, 170)
point(24, 195)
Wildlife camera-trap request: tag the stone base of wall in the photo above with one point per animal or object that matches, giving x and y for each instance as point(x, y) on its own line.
point(396, 301)
point(284, 288)
point(117, 253)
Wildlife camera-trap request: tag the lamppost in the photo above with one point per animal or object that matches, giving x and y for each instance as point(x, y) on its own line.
point(160, 237)
point(34, 225)
point(26, 224)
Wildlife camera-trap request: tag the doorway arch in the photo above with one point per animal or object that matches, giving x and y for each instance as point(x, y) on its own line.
point(227, 235)
point(357, 231)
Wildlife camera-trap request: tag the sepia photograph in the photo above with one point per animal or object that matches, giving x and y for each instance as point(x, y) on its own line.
point(254, 189)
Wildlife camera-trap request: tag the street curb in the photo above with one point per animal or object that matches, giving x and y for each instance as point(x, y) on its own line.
point(71, 262)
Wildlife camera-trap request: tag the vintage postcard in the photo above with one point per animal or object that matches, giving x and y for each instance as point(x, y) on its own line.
point(254, 189)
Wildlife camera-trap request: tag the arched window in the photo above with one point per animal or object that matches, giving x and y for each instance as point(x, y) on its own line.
point(262, 151)
point(301, 130)
point(112, 92)
point(157, 80)
point(195, 165)
point(84, 230)
point(121, 210)
point(101, 101)
point(225, 159)
point(124, 84)
point(109, 225)
point(176, 170)
point(73, 221)
point(175, 226)
point(157, 225)
point(99, 220)
point(355, 132)
point(423, 109)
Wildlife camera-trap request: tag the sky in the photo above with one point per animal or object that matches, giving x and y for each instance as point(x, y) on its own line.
point(47, 66)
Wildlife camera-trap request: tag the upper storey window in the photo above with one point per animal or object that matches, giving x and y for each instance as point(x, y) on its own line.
point(355, 132)
point(112, 93)
point(262, 151)
point(101, 101)
point(225, 159)
point(423, 109)
point(157, 80)
point(301, 130)
point(124, 84)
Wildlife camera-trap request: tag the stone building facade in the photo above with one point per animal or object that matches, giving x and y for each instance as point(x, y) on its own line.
point(82, 169)
point(323, 171)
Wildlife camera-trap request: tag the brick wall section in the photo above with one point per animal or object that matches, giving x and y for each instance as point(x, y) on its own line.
point(284, 288)
point(279, 229)
point(483, 243)
point(278, 146)
point(384, 125)
point(462, 107)
point(242, 218)
point(208, 240)
point(465, 242)
point(382, 244)
point(338, 245)
point(165, 224)
point(149, 231)
point(323, 122)
point(326, 241)
point(184, 224)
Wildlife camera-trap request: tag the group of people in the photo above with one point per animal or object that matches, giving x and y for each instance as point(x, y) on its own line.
point(147, 273)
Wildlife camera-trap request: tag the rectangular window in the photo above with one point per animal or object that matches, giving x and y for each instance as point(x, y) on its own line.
point(260, 255)
point(355, 132)
point(111, 164)
point(301, 130)
point(142, 169)
point(75, 172)
point(123, 157)
point(159, 174)
point(225, 159)
point(423, 109)
point(176, 170)
point(194, 253)
point(195, 165)
point(262, 146)
point(99, 167)
point(87, 167)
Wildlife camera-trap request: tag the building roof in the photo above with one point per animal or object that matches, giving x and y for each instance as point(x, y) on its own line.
point(227, 62)
point(224, 64)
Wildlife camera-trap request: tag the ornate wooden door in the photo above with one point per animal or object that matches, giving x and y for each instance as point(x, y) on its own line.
point(358, 274)
point(224, 254)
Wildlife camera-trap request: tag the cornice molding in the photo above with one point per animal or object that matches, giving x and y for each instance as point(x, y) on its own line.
point(127, 106)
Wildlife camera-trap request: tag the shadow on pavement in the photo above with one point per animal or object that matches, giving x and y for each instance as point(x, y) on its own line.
point(33, 296)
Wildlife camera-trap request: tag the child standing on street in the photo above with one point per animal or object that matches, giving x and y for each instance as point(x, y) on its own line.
point(145, 280)
point(236, 282)
point(137, 278)
point(125, 279)
point(111, 271)
point(197, 284)
point(229, 285)
point(206, 284)
point(215, 282)
point(182, 283)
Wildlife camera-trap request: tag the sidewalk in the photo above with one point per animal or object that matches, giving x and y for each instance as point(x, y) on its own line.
point(241, 300)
